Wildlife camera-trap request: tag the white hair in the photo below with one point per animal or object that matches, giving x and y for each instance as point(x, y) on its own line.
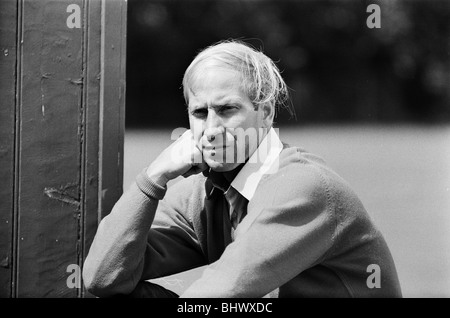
point(261, 78)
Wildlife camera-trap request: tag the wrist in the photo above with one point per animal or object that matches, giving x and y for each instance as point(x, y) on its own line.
point(150, 187)
point(157, 177)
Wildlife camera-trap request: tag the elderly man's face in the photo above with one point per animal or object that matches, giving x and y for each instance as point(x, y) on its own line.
point(217, 106)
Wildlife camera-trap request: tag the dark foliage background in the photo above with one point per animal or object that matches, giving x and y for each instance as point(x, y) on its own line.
point(339, 70)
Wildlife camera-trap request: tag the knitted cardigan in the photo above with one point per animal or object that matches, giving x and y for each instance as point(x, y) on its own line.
point(306, 234)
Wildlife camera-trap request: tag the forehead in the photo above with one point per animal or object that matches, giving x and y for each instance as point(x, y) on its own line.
point(208, 76)
point(211, 83)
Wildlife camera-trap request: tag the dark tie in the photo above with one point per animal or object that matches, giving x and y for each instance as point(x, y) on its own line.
point(238, 208)
point(219, 227)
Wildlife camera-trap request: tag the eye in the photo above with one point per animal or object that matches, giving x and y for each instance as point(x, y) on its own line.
point(226, 108)
point(200, 113)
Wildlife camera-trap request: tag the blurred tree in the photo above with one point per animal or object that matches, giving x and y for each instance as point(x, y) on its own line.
point(339, 70)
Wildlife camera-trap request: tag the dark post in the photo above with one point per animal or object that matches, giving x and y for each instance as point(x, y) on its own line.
point(62, 88)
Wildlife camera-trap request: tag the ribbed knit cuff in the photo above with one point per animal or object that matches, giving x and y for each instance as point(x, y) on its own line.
point(149, 187)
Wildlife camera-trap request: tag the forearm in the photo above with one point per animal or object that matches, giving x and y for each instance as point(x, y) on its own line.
point(115, 261)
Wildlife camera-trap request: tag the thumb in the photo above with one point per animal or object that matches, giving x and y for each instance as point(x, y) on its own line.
point(196, 156)
point(197, 163)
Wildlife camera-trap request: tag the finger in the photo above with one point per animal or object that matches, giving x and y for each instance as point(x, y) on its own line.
point(186, 135)
point(195, 170)
point(196, 156)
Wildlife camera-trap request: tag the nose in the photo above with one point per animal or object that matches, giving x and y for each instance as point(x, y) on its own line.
point(213, 126)
point(212, 120)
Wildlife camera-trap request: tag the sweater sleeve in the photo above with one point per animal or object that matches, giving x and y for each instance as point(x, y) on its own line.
point(142, 238)
point(289, 228)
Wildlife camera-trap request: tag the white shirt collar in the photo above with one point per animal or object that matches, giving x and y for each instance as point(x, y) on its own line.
point(263, 161)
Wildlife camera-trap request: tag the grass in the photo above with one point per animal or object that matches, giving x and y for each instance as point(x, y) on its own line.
point(402, 175)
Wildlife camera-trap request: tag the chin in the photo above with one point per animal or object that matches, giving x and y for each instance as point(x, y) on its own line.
point(220, 166)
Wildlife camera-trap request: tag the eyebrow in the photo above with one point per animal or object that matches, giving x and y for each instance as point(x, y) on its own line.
point(224, 101)
point(229, 100)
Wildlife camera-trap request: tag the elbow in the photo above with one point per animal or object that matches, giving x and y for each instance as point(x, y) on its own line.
point(91, 286)
point(102, 282)
point(93, 282)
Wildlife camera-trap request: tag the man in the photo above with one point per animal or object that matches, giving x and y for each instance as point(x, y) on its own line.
point(265, 217)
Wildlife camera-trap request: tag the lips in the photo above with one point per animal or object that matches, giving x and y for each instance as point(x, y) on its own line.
point(216, 144)
point(213, 151)
point(210, 148)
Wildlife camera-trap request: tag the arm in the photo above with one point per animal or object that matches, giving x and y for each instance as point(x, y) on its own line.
point(133, 244)
point(290, 228)
point(125, 250)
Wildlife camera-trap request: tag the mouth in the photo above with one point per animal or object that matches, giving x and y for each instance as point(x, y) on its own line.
point(215, 148)
point(219, 154)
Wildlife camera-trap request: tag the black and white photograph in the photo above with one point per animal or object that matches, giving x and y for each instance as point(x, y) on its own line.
point(224, 149)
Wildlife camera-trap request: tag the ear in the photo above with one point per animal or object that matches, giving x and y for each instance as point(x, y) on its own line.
point(268, 114)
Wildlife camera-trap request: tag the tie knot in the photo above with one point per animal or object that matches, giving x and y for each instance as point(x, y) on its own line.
point(219, 181)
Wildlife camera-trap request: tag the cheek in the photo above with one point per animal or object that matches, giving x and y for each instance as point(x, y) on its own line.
point(251, 120)
point(245, 120)
point(196, 127)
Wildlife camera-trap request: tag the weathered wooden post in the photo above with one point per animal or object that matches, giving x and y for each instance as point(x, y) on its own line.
point(62, 103)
